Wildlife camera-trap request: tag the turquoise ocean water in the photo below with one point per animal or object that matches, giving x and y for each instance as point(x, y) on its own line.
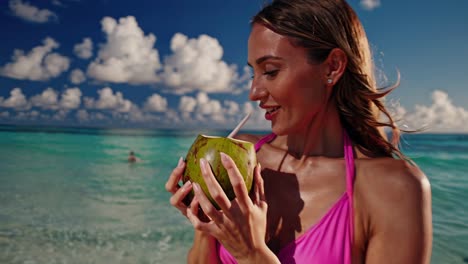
point(68, 195)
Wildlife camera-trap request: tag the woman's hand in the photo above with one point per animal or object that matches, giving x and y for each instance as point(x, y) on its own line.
point(178, 192)
point(240, 225)
point(204, 247)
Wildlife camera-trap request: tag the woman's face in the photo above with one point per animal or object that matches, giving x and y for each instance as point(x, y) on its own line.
point(290, 88)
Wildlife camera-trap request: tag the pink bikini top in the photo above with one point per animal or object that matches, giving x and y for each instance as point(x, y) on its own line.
point(328, 241)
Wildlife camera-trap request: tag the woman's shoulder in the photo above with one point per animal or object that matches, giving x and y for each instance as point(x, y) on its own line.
point(393, 210)
point(391, 188)
point(392, 175)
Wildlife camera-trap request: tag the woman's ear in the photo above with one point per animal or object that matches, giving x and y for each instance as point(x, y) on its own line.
point(335, 65)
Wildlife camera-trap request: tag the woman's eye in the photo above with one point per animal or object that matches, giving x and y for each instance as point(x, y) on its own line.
point(270, 73)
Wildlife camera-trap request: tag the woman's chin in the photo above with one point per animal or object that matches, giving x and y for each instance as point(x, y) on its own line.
point(278, 130)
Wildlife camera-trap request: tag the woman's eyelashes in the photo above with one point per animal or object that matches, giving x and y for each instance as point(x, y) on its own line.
point(271, 73)
point(268, 74)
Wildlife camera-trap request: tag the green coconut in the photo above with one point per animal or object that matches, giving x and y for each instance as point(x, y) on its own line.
point(209, 148)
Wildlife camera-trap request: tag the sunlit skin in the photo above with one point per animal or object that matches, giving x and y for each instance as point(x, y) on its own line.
point(303, 173)
point(285, 78)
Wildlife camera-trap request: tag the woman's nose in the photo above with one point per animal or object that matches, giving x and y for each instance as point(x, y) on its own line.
point(257, 91)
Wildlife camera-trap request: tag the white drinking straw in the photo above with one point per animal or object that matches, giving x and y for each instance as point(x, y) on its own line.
point(238, 127)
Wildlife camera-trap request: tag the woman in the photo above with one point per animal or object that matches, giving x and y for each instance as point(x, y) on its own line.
point(331, 188)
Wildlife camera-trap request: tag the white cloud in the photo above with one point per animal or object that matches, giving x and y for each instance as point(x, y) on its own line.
point(48, 99)
point(17, 100)
point(201, 105)
point(31, 13)
point(31, 115)
point(70, 99)
point(55, 64)
point(82, 115)
point(203, 109)
point(370, 4)
point(60, 115)
point(187, 104)
point(206, 106)
point(136, 115)
point(34, 114)
point(128, 55)
point(244, 82)
point(196, 65)
point(172, 116)
point(111, 106)
point(77, 76)
point(200, 109)
point(98, 116)
point(109, 101)
point(441, 116)
point(38, 65)
point(232, 108)
point(156, 103)
point(84, 50)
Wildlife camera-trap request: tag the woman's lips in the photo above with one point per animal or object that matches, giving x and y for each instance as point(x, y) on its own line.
point(271, 112)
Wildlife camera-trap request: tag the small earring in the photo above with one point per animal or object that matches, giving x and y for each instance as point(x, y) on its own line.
point(329, 81)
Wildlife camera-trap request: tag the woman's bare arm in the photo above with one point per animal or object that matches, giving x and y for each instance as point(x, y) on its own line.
point(400, 216)
point(203, 250)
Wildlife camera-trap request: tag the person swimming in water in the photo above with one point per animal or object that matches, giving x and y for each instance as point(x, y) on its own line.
point(132, 158)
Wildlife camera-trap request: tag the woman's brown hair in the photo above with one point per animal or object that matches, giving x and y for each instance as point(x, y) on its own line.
point(320, 26)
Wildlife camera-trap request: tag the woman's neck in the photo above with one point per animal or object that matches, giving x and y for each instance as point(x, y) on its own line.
point(323, 136)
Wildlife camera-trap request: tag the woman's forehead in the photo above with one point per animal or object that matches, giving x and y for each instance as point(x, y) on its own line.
point(265, 42)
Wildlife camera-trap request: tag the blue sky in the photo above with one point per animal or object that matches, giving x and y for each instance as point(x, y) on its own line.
point(182, 63)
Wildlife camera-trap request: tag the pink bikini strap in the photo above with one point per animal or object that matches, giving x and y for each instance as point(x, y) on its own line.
point(350, 174)
point(266, 139)
point(349, 157)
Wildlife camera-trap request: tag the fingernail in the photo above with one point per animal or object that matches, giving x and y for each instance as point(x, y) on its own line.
point(224, 157)
point(259, 167)
point(181, 162)
point(187, 185)
point(203, 165)
point(196, 187)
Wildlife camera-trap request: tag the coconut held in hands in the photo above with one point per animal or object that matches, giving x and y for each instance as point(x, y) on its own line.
point(209, 148)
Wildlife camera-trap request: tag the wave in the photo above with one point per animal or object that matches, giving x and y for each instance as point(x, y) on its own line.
point(48, 245)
